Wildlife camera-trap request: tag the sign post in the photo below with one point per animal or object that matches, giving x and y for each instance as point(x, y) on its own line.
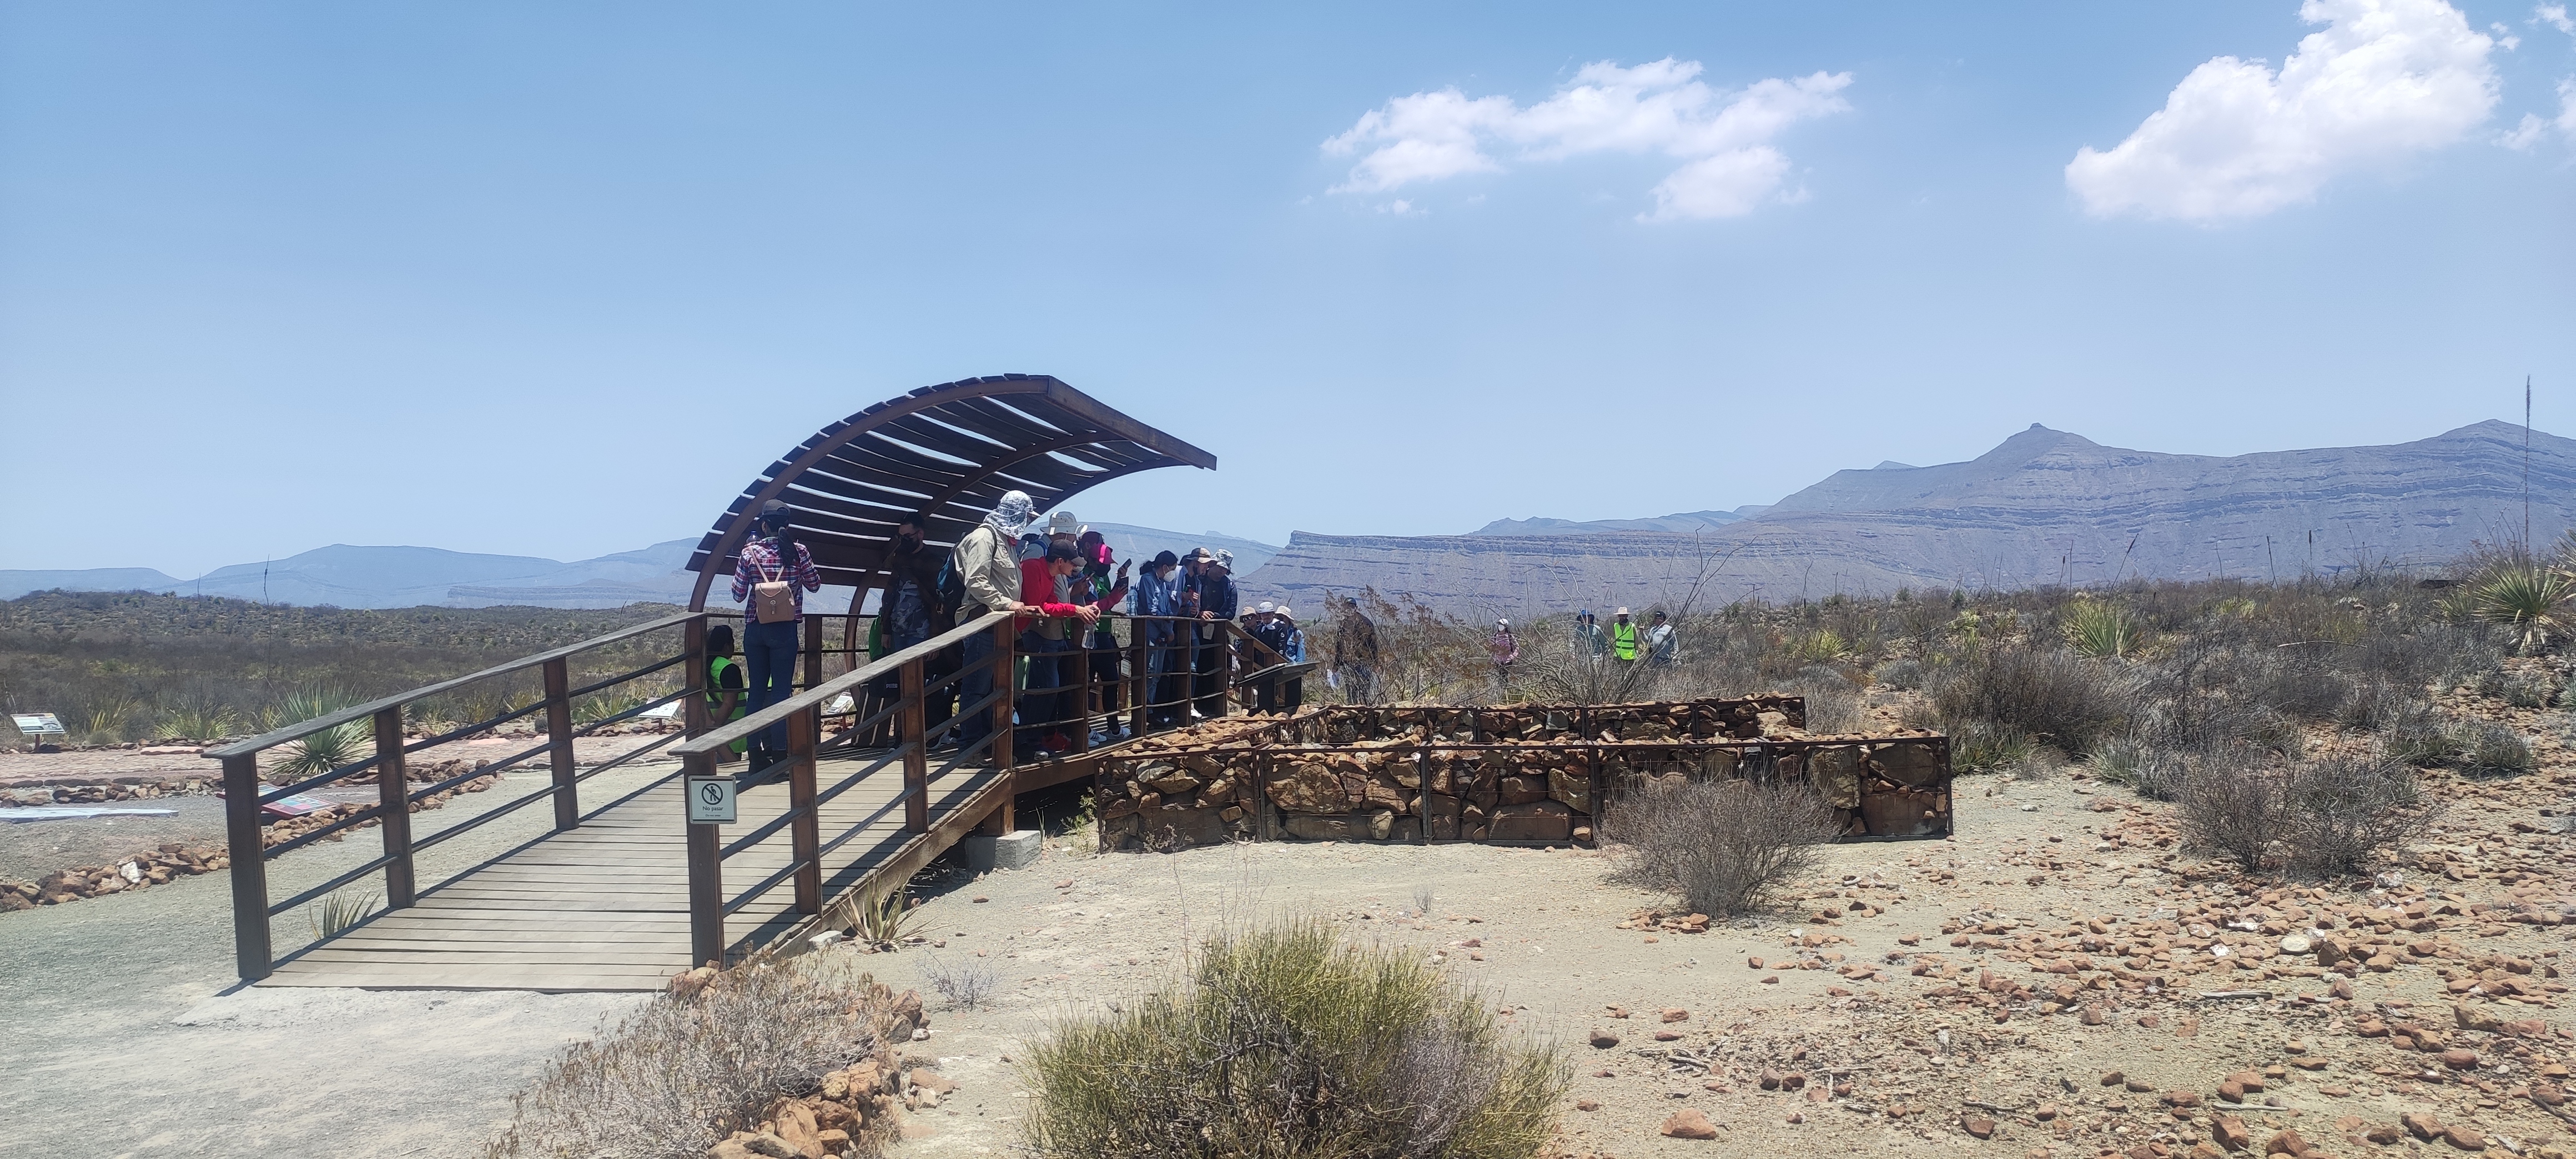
point(711, 800)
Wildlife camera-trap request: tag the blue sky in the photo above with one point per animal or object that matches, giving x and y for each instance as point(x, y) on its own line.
point(557, 279)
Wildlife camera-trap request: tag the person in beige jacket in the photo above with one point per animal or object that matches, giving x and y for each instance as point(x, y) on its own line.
point(988, 562)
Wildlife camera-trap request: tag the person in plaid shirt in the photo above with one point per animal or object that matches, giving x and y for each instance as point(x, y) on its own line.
point(769, 650)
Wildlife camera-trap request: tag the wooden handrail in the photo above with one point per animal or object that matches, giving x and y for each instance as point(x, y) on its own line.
point(270, 740)
point(821, 694)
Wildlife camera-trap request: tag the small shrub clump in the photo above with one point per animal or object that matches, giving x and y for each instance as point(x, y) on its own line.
point(2233, 806)
point(2050, 695)
point(2344, 811)
point(1290, 1042)
point(1722, 846)
point(687, 1071)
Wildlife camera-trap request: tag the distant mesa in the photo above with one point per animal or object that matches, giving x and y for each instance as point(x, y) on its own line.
point(2044, 506)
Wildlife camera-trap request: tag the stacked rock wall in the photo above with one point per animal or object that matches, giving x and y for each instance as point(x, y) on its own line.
point(1505, 775)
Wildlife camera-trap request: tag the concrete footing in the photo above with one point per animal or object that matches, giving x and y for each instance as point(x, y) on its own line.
point(1014, 851)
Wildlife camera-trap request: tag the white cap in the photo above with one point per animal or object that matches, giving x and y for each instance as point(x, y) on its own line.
point(1502, 623)
point(1266, 607)
point(1621, 612)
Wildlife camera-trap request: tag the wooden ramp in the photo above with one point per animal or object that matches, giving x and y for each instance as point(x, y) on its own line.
point(605, 906)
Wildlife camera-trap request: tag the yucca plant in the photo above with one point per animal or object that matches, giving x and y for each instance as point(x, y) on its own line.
point(881, 920)
point(322, 751)
point(109, 717)
point(602, 705)
point(2530, 602)
point(199, 722)
point(338, 912)
point(2099, 630)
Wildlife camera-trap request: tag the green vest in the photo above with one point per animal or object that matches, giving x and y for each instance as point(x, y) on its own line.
point(1623, 640)
point(716, 667)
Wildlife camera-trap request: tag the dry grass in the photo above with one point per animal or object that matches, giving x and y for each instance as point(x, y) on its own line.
point(1287, 1042)
point(680, 1074)
point(2232, 805)
point(1721, 846)
point(2346, 812)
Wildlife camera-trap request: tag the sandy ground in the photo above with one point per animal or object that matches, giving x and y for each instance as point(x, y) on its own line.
point(1538, 932)
point(123, 1032)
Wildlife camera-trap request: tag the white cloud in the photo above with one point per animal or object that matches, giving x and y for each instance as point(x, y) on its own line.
point(2555, 16)
point(2528, 133)
point(2385, 79)
point(2524, 135)
point(1662, 107)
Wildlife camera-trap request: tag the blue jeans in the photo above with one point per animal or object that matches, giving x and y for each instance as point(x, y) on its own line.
point(975, 685)
point(769, 650)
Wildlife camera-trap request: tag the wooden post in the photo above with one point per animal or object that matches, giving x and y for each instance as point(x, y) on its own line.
point(393, 795)
point(1005, 644)
point(910, 723)
point(1005, 660)
point(559, 742)
point(693, 707)
point(1082, 689)
point(706, 873)
point(805, 833)
point(249, 858)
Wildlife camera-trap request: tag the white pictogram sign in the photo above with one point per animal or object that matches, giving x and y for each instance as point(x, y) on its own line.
point(710, 800)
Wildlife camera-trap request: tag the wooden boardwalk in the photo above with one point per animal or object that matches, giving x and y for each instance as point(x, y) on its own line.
point(605, 906)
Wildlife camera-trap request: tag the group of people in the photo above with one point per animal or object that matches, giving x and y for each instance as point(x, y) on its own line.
point(1622, 641)
point(1060, 583)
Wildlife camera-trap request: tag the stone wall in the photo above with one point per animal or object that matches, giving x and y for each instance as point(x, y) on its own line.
point(1509, 775)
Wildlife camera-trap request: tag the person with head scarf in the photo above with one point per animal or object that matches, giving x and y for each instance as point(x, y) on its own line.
point(988, 561)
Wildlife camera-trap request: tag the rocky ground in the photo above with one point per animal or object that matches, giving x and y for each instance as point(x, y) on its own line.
point(2060, 979)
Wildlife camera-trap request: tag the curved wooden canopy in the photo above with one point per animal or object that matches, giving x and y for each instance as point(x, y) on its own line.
point(951, 450)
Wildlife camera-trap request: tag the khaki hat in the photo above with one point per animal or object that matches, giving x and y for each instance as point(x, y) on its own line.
point(1620, 612)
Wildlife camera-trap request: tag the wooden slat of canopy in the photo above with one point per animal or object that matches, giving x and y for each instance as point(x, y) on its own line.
point(951, 449)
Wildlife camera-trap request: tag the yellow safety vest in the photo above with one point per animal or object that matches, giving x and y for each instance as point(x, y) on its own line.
point(1623, 640)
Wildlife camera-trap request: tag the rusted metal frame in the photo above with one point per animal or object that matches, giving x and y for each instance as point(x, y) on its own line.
point(764, 885)
point(805, 837)
point(916, 747)
point(1139, 661)
point(251, 958)
point(559, 744)
point(902, 799)
point(400, 883)
point(693, 644)
point(966, 420)
point(1005, 646)
point(303, 729)
point(878, 454)
point(730, 731)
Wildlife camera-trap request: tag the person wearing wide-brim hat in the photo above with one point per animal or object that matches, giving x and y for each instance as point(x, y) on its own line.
point(1623, 638)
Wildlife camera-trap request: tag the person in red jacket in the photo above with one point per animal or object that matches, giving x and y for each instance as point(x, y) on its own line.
point(1045, 639)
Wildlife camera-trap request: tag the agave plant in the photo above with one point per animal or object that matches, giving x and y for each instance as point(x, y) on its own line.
point(338, 912)
point(200, 722)
point(2099, 630)
point(2529, 601)
point(322, 751)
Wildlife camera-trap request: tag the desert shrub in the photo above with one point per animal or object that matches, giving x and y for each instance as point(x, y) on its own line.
point(2343, 811)
point(966, 985)
point(2530, 688)
point(1833, 705)
point(2413, 659)
point(1902, 675)
point(2302, 691)
point(2051, 695)
point(2378, 706)
point(2419, 740)
point(1287, 1041)
point(679, 1074)
point(200, 722)
point(1979, 746)
point(1721, 846)
point(2231, 805)
point(2488, 747)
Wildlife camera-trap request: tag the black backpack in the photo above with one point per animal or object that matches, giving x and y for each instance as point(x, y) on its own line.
point(952, 586)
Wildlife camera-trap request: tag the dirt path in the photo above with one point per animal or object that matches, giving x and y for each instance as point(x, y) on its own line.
point(125, 1034)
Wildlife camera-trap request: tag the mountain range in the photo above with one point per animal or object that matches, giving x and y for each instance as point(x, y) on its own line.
point(2044, 506)
point(347, 576)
